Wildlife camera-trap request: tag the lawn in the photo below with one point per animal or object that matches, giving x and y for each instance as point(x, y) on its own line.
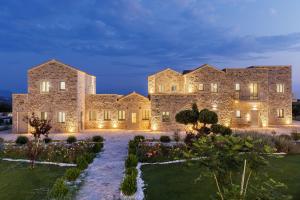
point(177, 181)
point(18, 181)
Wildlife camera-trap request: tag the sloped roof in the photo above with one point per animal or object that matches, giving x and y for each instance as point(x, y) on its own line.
point(58, 62)
point(131, 94)
point(167, 69)
point(200, 68)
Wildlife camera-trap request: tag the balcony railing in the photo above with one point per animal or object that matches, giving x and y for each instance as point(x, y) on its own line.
point(238, 96)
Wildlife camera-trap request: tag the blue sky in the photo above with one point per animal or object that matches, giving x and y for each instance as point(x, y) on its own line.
point(123, 41)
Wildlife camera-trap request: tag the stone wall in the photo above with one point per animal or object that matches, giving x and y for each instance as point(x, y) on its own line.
point(19, 111)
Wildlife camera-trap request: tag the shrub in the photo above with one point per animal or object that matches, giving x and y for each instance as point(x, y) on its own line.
point(283, 144)
point(227, 131)
point(81, 163)
point(190, 138)
point(139, 138)
point(128, 185)
point(1, 140)
point(21, 140)
point(47, 140)
point(71, 139)
point(132, 145)
point(97, 147)
point(72, 174)
point(131, 161)
point(295, 135)
point(165, 138)
point(287, 137)
point(204, 130)
point(216, 128)
point(97, 138)
point(132, 171)
point(89, 157)
point(59, 189)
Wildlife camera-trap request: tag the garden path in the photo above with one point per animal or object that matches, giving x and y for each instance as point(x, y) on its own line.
point(104, 175)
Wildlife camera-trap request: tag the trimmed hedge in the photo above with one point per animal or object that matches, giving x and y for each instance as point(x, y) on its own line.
point(72, 174)
point(71, 139)
point(129, 185)
point(81, 163)
point(97, 138)
point(165, 138)
point(131, 161)
point(131, 171)
point(21, 140)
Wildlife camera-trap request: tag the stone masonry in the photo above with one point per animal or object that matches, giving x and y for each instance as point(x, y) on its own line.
point(254, 96)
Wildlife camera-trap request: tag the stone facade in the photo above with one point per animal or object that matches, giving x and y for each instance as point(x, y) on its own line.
point(254, 96)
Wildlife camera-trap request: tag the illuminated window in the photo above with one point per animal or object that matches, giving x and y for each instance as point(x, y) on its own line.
point(62, 85)
point(45, 86)
point(238, 114)
point(174, 88)
point(280, 113)
point(44, 115)
point(93, 115)
point(107, 115)
point(214, 87)
point(201, 87)
point(61, 117)
point(133, 118)
point(161, 88)
point(121, 115)
point(165, 116)
point(237, 87)
point(280, 88)
point(146, 115)
point(253, 90)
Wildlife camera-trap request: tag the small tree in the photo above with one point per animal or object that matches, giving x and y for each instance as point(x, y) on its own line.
point(208, 117)
point(41, 127)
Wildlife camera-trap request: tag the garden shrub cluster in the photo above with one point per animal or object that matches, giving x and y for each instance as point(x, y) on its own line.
point(71, 139)
point(295, 135)
point(129, 183)
point(21, 140)
point(60, 189)
point(165, 138)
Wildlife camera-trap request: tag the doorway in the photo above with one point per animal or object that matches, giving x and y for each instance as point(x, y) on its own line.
point(254, 118)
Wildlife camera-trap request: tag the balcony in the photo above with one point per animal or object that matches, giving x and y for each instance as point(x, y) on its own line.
point(238, 96)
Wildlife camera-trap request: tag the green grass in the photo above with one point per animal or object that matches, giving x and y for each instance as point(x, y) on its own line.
point(178, 181)
point(18, 181)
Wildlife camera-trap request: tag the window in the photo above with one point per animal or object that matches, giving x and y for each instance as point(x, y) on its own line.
point(93, 115)
point(201, 87)
point(146, 115)
point(165, 116)
point(61, 117)
point(44, 115)
point(107, 115)
point(238, 114)
point(253, 90)
point(121, 115)
point(214, 87)
point(133, 118)
point(62, 85)
point(280, 113)
point(280, 88)
point(161, 88)
point(237, 87)
point(174, 88)
point(44, 86)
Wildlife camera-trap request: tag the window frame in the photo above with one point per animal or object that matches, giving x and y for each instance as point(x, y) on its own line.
point(44, 115)
point(280, 113)
point(165, 116)
point(254, 94)
point(61, 117)
point(280, 87)
point(146, 114)
point(121, 115)
point(60, 84)
point(238, 114)
point(201, 88)
point(44, 87)
point(172, 87)
point(161, 88)
point(214, 87)
point(237, 87)
point(92, 115)
point(107, 115)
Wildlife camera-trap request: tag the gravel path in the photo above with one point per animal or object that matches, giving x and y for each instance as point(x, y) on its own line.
point(104, 175)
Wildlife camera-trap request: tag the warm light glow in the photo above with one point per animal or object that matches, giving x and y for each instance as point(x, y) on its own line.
point(151, 90)
point(115, 124)
point(248, 117)
point(288, 121)
point(226, 124)
point(236, 101)
point(154, 127)
point(190, 88)
point(100, 125)
point(214, 106)
point(254, 107)
point(71, 129)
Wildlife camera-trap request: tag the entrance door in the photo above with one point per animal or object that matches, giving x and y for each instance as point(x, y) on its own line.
point(133, 118)
point(254, 118)
point(22, 126)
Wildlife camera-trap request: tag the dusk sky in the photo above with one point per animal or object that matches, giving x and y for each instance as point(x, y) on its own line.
point(121, 42)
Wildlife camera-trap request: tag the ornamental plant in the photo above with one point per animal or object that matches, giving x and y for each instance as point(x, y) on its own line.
point(233, 163)
point(41, 127)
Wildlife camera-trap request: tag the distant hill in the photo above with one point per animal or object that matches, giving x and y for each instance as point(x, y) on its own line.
point(5, 95)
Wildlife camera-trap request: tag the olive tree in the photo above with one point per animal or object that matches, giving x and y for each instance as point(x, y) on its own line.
point(41, 127)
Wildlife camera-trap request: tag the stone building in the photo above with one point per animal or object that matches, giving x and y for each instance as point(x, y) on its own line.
point(257, 96)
